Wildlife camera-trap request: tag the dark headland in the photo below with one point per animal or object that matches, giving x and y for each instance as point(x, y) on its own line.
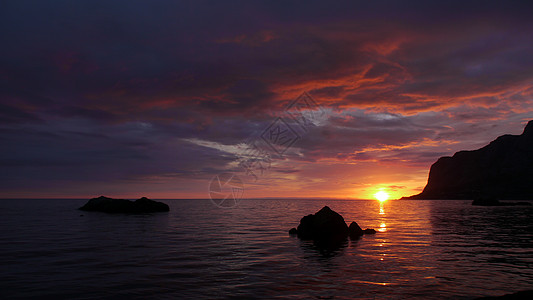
point(502, 170)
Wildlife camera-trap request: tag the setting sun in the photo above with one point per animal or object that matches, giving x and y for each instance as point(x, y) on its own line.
point(381, 196)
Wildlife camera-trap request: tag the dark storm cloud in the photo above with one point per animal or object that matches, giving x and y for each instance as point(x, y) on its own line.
point(10, 114)
point(113, 55)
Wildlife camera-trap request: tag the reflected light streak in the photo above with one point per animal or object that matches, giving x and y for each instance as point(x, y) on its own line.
point(382, 227)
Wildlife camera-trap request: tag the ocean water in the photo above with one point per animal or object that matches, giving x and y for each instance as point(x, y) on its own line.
point(423, 249)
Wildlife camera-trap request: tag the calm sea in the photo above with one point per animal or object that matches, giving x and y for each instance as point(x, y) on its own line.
point(423, 249)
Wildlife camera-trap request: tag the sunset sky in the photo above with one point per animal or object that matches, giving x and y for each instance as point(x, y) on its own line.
point(154, 98)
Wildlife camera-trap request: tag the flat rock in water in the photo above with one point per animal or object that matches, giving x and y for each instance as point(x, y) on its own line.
point(496, 202)
point(528, 294)
point(110, 205)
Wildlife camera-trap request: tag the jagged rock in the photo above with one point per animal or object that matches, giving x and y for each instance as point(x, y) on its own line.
point(355, 231)
point(502, 170)
point(323, 225)
point(326, 226)
point(110, 205)
point(369, 231)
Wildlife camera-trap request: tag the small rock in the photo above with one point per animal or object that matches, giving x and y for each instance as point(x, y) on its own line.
point(355, 231)
point(369, 231)
point(293, 231)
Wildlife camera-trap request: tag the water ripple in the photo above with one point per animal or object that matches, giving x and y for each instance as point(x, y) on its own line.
point(423, 249)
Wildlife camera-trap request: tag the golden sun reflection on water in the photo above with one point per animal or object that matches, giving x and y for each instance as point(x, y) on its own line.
point(382, 226)
point(403, 235)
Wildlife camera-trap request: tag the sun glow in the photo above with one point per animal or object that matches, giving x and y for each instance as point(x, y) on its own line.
point(381, 196)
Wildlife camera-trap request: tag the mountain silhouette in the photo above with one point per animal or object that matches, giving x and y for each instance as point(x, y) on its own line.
point(503, 170)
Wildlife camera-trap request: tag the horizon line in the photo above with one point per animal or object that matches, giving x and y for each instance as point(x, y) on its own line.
point(254, 198)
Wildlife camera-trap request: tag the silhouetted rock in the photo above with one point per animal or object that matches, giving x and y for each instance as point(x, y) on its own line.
point(146, 205)
point(326, 227)
point(355, 231)
point(496, 202)
point(110, 205)
point(502, 170)
point(369, 231)
point(486, 202)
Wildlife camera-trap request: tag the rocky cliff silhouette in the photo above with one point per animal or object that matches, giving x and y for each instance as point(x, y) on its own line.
point(503, 170)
